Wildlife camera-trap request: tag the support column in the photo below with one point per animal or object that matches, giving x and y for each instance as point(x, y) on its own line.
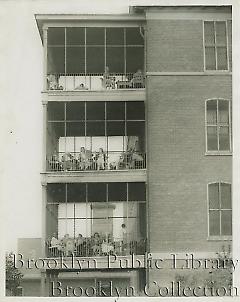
point(44, 204)
point(45, 32)
point(43, 284)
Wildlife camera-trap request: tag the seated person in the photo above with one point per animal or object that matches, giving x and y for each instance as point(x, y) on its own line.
point(96, 241)
point(81, 87)
point(79, 244)
point(108, 80)
point(55, 244)
point(138, 79)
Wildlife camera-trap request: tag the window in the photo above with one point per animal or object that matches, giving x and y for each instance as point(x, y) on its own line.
point(218, 126)
point(220, 209)
point(216, 45)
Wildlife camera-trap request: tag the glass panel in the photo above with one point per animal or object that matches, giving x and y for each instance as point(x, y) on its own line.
point(75, 129)
point(115, 36)
point(221, 33)
point(95, 110)
point(75, 60)
point(229, 26)
point(212, 112)
point(82, 210)
point(209, 33)
point(213, 195)
point(136, 191)
point(115, 110)
point(76, 192)
point(65, 226)
point(212, 141)
point(99, 143)
point(75, 36)
point(226, 196)
point(136, 136)
point(66, 210)
point(97, 192)
point(56, 192)
point(210, 59)
point(223, 114)
point(117, 191)
point(224, 138)
point(56, 36)
point(135, 111)
point(134, 59)
point(95, 128)
point(226, 220)
point(115, 59)
point(56, 60)
point(95, 36)
point(222, 58)
point(133, 36)
point(55, 131)
point(115, 128)
point(95, 60)
point(75, 111)
point(116, 143)
point(55, 111)
point(83, 227)
point(214, 223)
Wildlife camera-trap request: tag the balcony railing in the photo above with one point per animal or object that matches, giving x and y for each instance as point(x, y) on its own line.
point(89, 161)
point(95, 81)
point(88, 247)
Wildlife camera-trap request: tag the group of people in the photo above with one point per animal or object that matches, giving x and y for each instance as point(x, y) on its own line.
point(88, 160)
point(96, 245)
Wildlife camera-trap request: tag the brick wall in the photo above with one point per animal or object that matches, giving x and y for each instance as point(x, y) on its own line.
point(178, 169)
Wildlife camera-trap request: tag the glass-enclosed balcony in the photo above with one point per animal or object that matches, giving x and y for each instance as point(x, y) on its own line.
point(94, 136)
point(95, 58)
point(96, 219)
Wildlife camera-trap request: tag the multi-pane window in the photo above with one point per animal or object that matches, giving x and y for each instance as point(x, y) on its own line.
point(87, 208)
point(220, 209)
point(84, 50)
point(216, 42)
point(218, 125)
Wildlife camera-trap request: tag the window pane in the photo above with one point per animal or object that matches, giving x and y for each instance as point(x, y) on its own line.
point(76, 192)
point(136, 191)
point(221, 33)
point(212, 112)
point(55, 131)
point(56, 192)
point(134, 59)
point(222, 58)
point(115, 128)
point(210, 59)
point(117, 191)
point(214, 223)
point(55, 111)
point(56, 60)
point(75, 110)
point(97, 192)
point(83, 226)
point(99, 142)
point(115, 59)
point(95, 36)
point(95, 110)
point(226, 196)
point(65, 226)
point(56, 35)
point(226, 220)
point(223, 114)
point(95, 60)
point(115, 36)
point(135, 111)
point(115, 110)
point(75, 61)
point(75, 36)
point(224, 138)
point(133, 36)
point(209, 32)
point(95, 128)
point(212, 142)
point(213, 195)
point(75, 129)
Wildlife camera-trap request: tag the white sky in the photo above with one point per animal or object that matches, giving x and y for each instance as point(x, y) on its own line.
point(20, 86)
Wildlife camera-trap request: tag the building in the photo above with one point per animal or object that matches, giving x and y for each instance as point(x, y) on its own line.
point(137, 145)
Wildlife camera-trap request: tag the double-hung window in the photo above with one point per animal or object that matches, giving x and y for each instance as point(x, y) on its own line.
point(218, 126)
point(220, 209)
point(216, 45)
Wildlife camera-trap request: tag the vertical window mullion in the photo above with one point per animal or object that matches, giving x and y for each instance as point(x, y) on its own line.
point(220, 207)
point(230, 125)
point(105, 48)
point(125, 52)
point(127, 226)
point(215, 45)
point(85, 50)
point(218, 128)
point(65, 57)
point(125, 124)
point(65, 127)
point(107, 208)
point(226, 29)
point(66, 211)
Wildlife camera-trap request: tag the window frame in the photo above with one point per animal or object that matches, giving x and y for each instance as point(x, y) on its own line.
point(219, 152)
point(215, 45)
point(219, 237)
